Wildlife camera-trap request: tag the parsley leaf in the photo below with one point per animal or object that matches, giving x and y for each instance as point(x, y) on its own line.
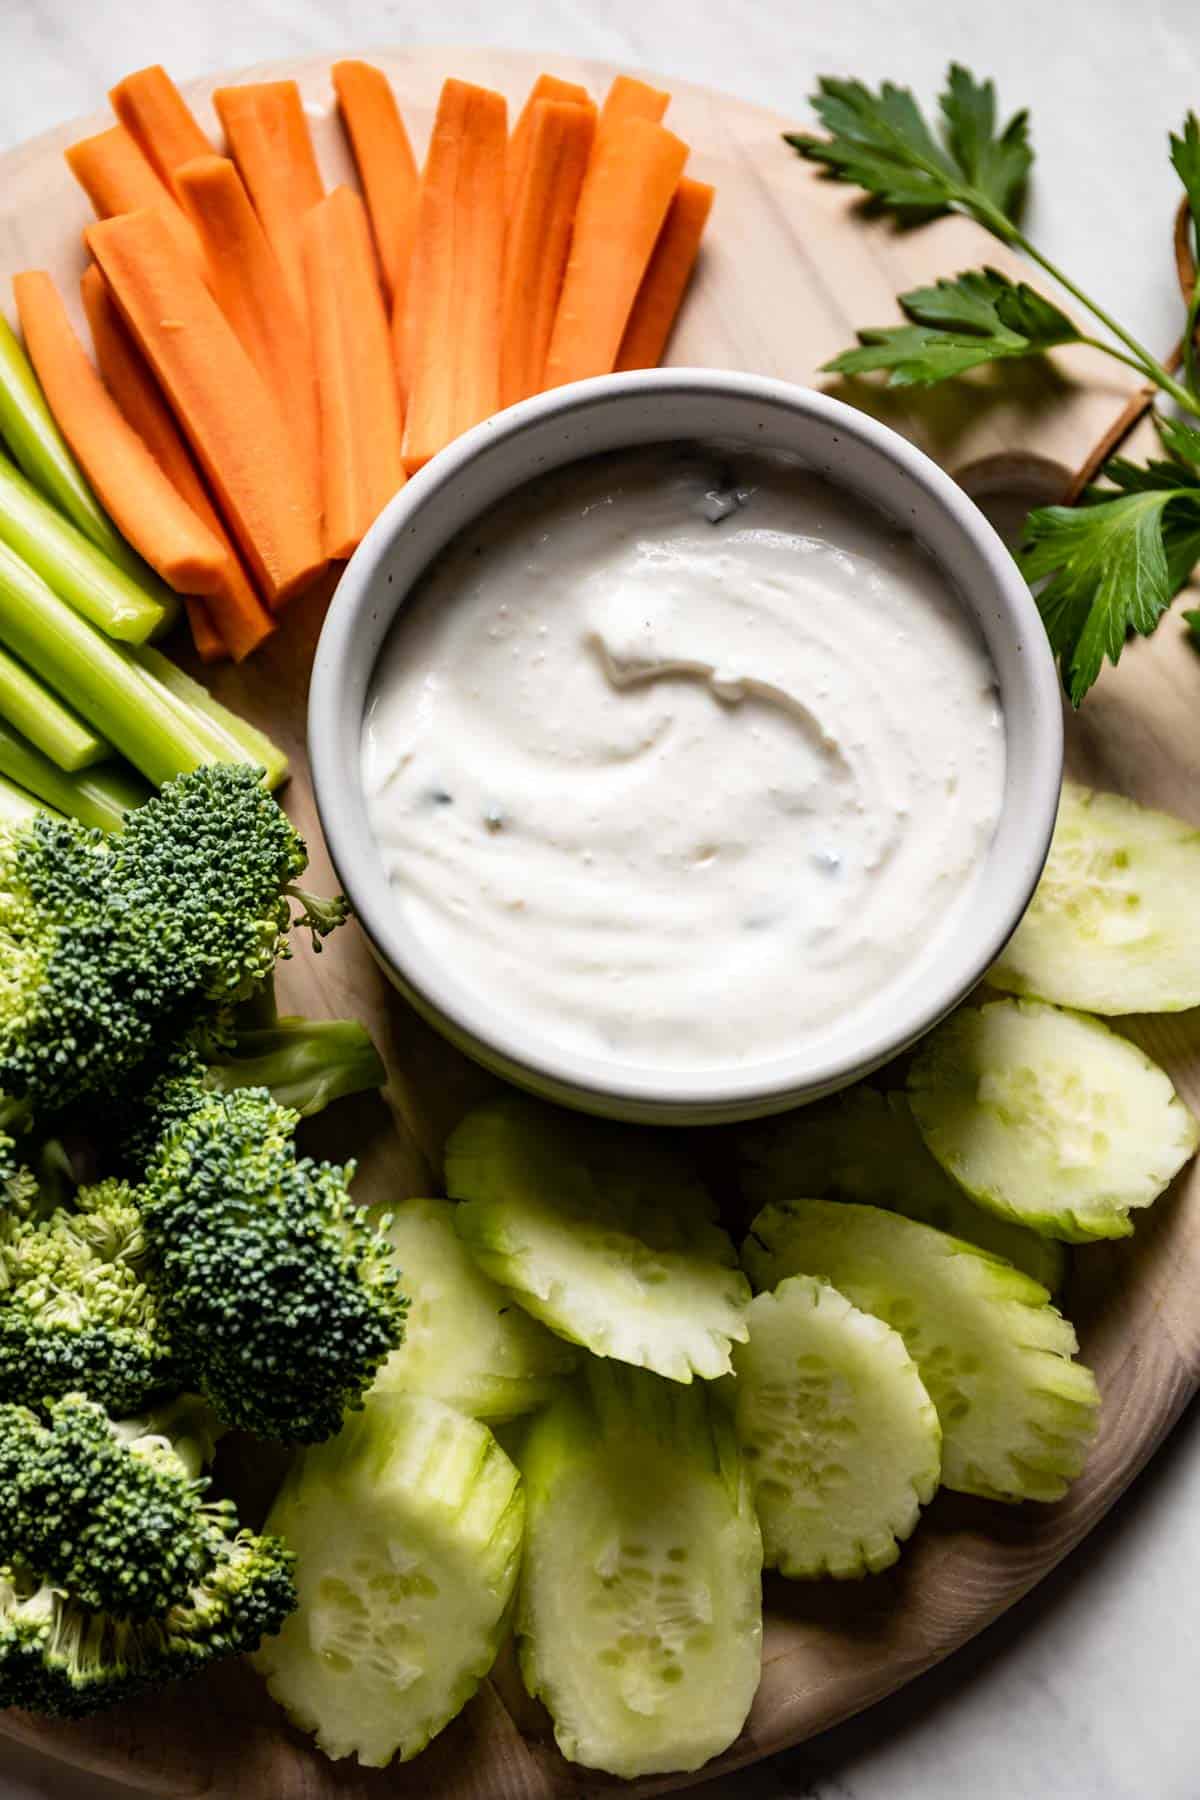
point(977, 318)
point(997, 165)
point(1115, 563)
point(1181, 525)
point(1181, 441)
point(881, 142)
point(1185, 155)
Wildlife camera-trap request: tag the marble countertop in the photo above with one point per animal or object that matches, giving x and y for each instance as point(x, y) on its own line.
point(1085, 1691)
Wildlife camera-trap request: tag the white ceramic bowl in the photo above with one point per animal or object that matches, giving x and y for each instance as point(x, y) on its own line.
point(657, 406)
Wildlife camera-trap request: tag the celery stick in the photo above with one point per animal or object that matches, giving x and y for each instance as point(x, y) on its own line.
point(231, 738)
point(16, 805)
point(130, 607)
point(28, 428)
point(95, 677)
point(30, 708)
point(100, 796)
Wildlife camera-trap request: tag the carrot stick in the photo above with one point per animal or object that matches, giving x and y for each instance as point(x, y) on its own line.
point(630, 183)
point(221, 400)
point(387, 167)
point(361, 457)
point(124, 373)
point(452, 316)
point(539, 236)
point(117, 178)
point(546, 87)
point(209, 645)
point(133, 489)
point(629, 98)
point(268, 139)
point(666, 278)
point(237, 615)
point(160, 121)
point(249, 288)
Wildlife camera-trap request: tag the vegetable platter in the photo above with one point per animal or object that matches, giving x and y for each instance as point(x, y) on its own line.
point(791, 267)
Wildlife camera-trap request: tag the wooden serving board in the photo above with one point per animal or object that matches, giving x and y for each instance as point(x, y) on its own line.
point(790, 267)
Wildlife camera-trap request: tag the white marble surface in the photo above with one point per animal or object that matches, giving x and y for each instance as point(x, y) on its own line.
point(1088, 1690)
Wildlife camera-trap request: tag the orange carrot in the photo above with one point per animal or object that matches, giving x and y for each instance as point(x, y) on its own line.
point(361, 458)
point(630, 183)
point(451, 334)
point(546, 87)
point(629, 98)
point(143, 505)
point(233, 611)
point(209, 644)
point(160, 121)
point(146, 411)
point(223, 403)
point(387, 167)
point(539, 235)
point(666, 278)
point(246, 280)
point(268, 139)
point(116, 178)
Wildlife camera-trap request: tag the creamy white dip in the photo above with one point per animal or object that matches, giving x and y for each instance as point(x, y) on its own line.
point(678, 758)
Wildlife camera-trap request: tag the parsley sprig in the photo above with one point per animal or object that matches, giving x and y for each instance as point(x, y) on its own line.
point(1113, 564)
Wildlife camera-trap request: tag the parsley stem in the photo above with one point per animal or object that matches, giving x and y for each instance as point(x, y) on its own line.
point(1189, 341)
point(1108, 349)
point(1147, 364)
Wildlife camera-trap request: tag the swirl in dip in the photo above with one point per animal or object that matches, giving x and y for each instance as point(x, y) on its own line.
point(678, 757)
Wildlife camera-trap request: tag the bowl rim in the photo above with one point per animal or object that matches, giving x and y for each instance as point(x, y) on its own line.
point(640, 1092)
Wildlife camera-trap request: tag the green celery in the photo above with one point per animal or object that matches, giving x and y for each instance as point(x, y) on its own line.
point(95, 676)
point(30, 708)
point(100, 796)
point(124, 606)
point(231, 738)
point(15, 807)
point(28, 428)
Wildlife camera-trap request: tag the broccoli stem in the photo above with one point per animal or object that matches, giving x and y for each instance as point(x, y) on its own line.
point(260, 1010)
point(124, 604)
point(29, 430)
point(305, 1063)
point(186, 1424)
point(94, 676)
point(231, 739)
point(98, 796)
point(30, 708)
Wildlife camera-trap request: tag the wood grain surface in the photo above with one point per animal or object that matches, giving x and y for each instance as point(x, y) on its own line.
point(791, 266)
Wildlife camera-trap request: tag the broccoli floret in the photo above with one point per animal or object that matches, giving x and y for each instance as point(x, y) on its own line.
point(18, 1183)
point(281, 1297)
point(58, 1658)
point(216, 858)
point(110, 946)
point(110, 1512)
point(76, 1310)
point(305, 1064)
point(81, 980)
point(116, 1573)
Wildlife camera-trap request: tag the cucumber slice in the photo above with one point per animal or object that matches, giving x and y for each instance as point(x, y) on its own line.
point(1048, 1117)
point(640, 1615)
point(465, 1342)
point(601, 1231)
point(864, 1145)
point(1017, 1414)
point(407, 1532)
point(840, 1438)
point(1110, 928)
